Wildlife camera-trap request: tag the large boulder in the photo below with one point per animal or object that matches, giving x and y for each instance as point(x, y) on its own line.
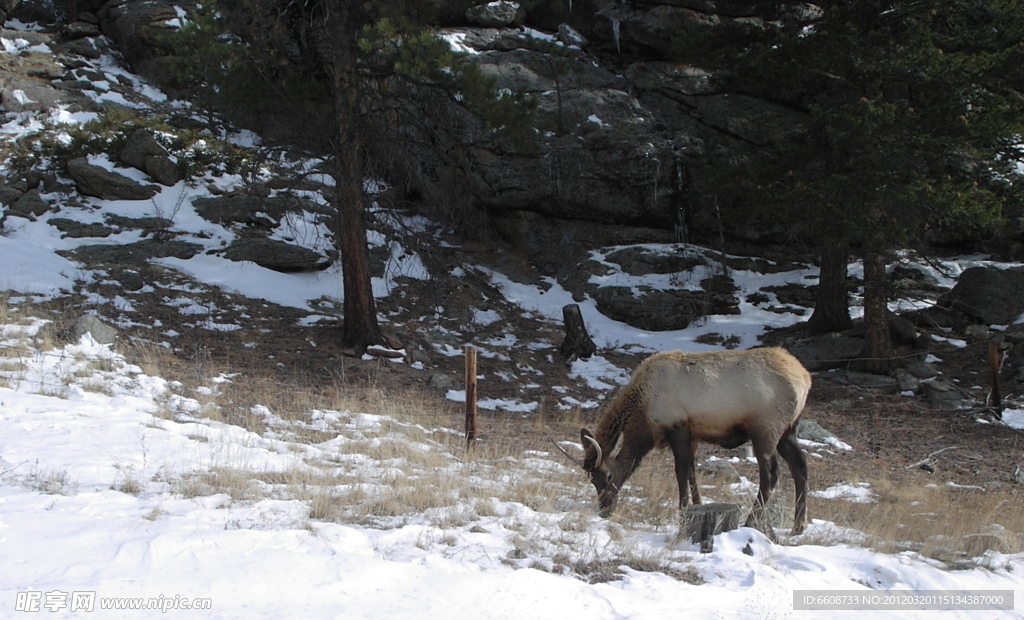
point(141, 144)
point(140, 27)
point(93, 180)
point(134, 253)
point(496, 14)
point(258, 211)
point(276, 255)
point(991, 295)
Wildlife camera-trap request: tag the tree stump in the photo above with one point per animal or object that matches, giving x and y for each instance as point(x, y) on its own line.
point(577, 343)
point(702, 521)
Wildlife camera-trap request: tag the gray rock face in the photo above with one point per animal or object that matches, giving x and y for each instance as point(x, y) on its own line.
point(96, 181)
point(639, 145)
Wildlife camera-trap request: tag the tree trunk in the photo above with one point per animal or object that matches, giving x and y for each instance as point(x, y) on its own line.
point(879, 352)
point(832, 303)
point(336, 40)
point(577, 342)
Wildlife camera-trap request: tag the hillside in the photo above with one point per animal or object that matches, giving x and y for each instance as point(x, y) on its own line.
point(222, 447)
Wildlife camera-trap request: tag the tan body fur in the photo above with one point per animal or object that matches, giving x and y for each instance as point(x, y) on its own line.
point(677, 399)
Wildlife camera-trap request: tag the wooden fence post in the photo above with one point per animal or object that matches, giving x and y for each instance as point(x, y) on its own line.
point(470, 395)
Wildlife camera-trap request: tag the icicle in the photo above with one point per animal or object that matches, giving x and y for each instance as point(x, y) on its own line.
point(615, 34)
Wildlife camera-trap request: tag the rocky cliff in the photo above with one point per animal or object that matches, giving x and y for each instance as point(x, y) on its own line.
point(635, 133)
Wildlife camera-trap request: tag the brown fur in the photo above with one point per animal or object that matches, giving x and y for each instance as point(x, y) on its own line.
point(677, 399)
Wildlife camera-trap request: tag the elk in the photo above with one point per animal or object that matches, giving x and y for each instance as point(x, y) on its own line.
point(726, 398)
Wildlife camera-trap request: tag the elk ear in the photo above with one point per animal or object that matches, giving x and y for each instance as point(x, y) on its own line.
point(618, 446)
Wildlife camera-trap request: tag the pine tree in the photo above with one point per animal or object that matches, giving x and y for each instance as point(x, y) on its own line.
point(374, 64)
point(915, 112)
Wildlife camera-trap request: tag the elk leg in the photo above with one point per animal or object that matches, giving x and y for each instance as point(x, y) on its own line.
point(694, 489)
point(774, 469)
point(790, 451)
point(764, 455)
point(683, 452)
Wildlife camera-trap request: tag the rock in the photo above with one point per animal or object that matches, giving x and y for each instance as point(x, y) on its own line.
point(827, 352)
point(100, 331)
point(30, 204)
point(496, 14)
point(148, 224)
point(163, 170)
point(810, 430)
point(76, 230)
point(859, 379)
point(141, 144)
point(92, 48)
point(944, 395)
point(906, 380)
point(253, 211)
point(80, 29)
point(416, 352)
point(9, 195)
point(661, 310)
point(641, 260)
point(678, 81)
point(977, 333)
point(276, 255)
point(130, 280)
point(135, 253)
point(902, 330)
point(105, 184)
point(30, 95)
point(139, 29)
point(703, 521)
point(442, 383)
point(922, 370)
point(569, 36)
point(721, 471)
point(993, 296)
point(993, 538)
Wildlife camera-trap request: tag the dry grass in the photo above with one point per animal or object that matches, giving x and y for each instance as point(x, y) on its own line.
point(948, 523)
point(401, 462)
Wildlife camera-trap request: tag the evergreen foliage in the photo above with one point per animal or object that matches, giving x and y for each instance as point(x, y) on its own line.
point(51, 148)
point(915, 114)
point(386, 87)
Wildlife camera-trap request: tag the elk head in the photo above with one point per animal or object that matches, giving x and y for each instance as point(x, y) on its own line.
point(607, 471)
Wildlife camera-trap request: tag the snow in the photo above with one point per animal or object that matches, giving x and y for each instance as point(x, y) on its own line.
point(106, 497)
point(1014, 418)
